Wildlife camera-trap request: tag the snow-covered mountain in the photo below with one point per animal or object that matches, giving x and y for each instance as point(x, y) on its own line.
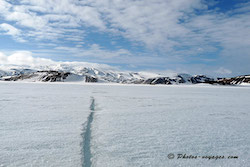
point(73, 72)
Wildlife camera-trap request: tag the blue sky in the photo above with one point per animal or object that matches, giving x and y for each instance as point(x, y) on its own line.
point(195, 36)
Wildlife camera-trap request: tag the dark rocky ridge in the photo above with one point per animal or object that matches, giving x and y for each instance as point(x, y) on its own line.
point(233, 81)
point(198, 79)
point(179, 79)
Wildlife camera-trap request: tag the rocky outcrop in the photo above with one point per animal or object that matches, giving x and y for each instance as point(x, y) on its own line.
point(179, 79)
point(201, 79)
point(44, 76)
point(53, 76)
point(158, 80)
point(18, 77)
point(90, 79)
point(233, 81)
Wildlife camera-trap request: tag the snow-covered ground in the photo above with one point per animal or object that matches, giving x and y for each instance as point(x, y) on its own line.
point(58, 124)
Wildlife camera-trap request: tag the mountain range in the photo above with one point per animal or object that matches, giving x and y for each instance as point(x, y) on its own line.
point(71, 72)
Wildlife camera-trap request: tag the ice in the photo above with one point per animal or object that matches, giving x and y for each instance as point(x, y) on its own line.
point(122, 125)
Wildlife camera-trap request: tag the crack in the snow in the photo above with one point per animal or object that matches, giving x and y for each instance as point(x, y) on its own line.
point(86, 136)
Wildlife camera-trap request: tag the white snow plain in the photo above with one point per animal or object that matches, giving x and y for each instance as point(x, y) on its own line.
point(57, 124)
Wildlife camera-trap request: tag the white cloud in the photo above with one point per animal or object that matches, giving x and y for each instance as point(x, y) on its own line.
point(9, 29)
point(161, 24)
point(4, 6)
point(153, 23)
point(95, 51)
point(171, 27)
point(223, 71)
point(51, 20)
point(3, 58)
point(228, 32)
point(136, 20)
point(23, 58)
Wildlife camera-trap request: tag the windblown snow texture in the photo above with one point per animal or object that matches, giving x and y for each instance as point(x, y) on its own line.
point(138, 125)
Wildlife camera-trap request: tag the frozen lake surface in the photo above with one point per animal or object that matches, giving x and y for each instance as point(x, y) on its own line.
point(100, 125)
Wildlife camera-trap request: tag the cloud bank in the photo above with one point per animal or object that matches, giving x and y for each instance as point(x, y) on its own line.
point(24, 59)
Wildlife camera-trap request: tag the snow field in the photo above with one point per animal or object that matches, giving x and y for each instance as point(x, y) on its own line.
point(45, 124)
